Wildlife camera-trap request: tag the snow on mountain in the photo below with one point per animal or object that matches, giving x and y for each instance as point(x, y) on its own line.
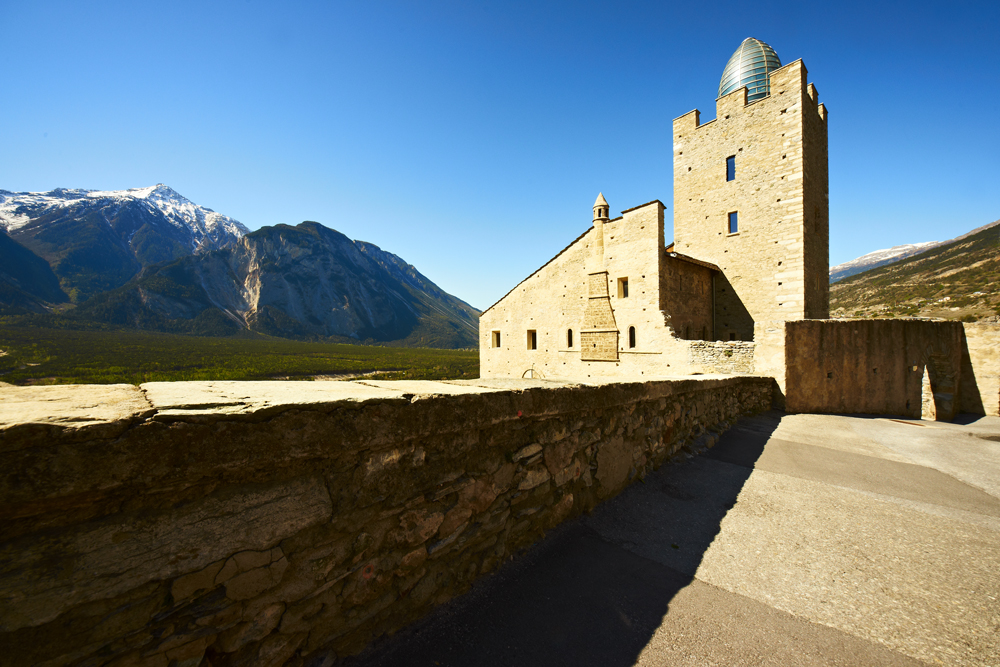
point(17, 209)
point(878, 258)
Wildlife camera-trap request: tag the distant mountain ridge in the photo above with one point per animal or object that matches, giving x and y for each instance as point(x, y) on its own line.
point(878, 258)
point(97, 240)
point(207, 228)
point(147, 258)
point(894, 254)
point(956, 279)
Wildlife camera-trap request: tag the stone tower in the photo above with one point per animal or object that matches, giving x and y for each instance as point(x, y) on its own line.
point(751, 194)
point(599, 333)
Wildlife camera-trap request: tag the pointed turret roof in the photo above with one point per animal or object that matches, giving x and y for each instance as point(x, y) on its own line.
point(601, 201)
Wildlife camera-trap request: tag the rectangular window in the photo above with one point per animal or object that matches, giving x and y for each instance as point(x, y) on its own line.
point(734, 225)
point(623, 288)
point(532, 340)
point(496, 339)
point(731, 168)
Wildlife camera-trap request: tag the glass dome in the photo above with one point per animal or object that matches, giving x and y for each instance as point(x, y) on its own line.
point(749, 67)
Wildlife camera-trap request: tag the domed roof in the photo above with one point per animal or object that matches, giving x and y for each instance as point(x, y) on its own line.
point(749, 67)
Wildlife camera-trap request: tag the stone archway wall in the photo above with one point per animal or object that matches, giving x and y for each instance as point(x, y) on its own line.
point(896, 367)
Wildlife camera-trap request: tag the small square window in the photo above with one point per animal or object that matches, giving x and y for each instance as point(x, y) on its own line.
point(731, 168)
point(734, 225)
point(623, 288)
point(532, 339)
point(496, 339)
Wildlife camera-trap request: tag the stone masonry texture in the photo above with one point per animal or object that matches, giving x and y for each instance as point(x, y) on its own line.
point(270, 523)
point(775, 266)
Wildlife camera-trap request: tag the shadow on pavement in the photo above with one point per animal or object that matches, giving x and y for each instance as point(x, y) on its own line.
point(595, 590)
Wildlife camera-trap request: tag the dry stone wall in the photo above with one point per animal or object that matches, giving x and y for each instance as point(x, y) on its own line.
point(722, 357)
point(273, 523)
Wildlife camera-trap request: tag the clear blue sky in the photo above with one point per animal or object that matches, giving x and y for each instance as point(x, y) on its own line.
point(471, 138)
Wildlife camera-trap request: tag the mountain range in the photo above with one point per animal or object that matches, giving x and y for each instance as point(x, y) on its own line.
point(878, 258)
point(956, 279)
point(148, 258)
point(894, 254)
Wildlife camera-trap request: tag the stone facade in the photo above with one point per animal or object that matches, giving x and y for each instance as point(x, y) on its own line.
point(606, 306)
point(272, 523)
point(617, 303)
point(775, 265)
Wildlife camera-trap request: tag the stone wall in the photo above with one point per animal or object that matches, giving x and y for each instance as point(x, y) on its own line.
point(555, 299)
point(722, 357)
point(980, 378)
point(910, 368)
point(271, 523)
point(686, 290)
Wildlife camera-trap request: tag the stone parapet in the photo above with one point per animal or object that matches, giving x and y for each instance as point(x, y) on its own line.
point(907, 367)
point(272, 522)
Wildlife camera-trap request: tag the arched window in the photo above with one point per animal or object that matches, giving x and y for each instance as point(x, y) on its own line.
point(569, 338)
point(631, 337)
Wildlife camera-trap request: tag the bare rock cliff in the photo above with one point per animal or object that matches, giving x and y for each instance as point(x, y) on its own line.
point(305, 281)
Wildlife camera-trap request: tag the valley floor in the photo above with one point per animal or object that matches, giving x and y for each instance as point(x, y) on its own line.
point(35, 355)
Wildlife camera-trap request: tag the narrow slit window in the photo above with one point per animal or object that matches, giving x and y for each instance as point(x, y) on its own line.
point(532, 339)
point(623, 288)
point(569, 338)
point(631, 338)
point(496, 339)
point(731, 168)
point(734, 223)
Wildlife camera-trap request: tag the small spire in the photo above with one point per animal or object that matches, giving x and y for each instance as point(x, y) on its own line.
point(601, 201)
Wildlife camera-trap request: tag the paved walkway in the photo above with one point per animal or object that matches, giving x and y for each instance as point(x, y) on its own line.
point(797, 540)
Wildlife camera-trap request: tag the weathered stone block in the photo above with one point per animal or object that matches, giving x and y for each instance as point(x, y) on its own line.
point(108, 557)
point(533, 478)
point(241, 635)
point(189, 584)
point(526, 452)
point(251, 584)
point(416, 526)
point(614, 460)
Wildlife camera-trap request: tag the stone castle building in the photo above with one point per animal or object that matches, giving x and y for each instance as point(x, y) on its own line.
point(751, 245)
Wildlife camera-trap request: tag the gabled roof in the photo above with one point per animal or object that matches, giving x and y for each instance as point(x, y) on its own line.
point(691, 260)
point(539, 269)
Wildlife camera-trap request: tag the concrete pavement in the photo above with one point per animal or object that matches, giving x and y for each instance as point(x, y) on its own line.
point(797, 540)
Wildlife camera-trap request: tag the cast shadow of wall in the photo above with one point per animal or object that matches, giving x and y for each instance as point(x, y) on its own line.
point(595, 590)
point(731, 314)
